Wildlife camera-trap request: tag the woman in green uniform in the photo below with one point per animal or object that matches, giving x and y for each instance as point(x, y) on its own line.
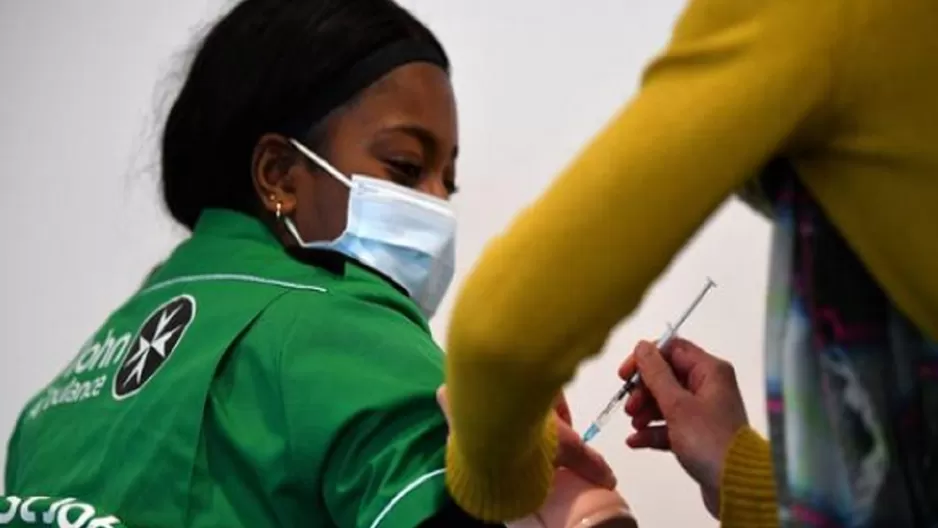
point(245, 385)
point(277, 369)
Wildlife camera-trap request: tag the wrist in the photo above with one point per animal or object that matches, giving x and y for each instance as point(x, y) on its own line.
point(747, 486)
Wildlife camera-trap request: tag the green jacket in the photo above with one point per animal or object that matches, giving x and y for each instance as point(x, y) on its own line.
point(243, 387)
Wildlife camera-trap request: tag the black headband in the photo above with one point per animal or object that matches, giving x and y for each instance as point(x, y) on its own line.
point(360, 76)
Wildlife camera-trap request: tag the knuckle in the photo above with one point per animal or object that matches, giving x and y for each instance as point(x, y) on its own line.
point(651, 376)
point(656, 369)
point(676, 406)
point(725, 369)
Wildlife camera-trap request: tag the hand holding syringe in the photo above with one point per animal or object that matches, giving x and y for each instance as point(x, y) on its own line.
point(630, 385)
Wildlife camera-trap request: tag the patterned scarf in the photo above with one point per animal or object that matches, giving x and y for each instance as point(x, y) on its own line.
point(852, 384)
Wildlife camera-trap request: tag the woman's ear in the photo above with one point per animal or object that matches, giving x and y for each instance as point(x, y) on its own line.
point(272, 167)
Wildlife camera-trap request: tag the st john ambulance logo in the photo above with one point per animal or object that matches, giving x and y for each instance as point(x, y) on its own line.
point(153, 345)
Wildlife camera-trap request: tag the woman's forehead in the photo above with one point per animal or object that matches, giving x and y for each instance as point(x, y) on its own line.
point(418, 94)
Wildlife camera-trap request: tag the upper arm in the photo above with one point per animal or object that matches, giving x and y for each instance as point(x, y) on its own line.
point(387, 470)
point(362, 389)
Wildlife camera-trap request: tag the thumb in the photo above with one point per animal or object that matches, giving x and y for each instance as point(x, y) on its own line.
point(563, 409)
point(575, 455)
point(442, 401)
point(627, 368)
point(685, 356)
point(657, 377)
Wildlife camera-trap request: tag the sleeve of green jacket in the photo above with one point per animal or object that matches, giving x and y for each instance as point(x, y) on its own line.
point(368, 383)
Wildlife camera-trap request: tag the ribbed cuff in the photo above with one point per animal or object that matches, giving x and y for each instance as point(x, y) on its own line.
point(503, 490)
point(747, 496)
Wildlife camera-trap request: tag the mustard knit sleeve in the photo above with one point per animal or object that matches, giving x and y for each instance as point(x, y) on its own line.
point(740, 81)
point(747, 489)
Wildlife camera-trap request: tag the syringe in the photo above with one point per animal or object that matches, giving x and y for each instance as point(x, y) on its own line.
point(630, 385)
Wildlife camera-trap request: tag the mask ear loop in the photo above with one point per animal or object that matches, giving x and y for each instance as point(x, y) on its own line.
point(291, 228)
point(323, 164)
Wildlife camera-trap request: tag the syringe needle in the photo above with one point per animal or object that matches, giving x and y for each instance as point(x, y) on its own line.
point(690, 309)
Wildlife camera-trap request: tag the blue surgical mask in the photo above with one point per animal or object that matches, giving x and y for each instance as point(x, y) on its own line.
point(407, 235)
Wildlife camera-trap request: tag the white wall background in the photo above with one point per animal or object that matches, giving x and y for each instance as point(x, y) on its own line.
point(82, 86)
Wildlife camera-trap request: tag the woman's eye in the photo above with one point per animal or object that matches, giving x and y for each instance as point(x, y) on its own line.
point(406, 172)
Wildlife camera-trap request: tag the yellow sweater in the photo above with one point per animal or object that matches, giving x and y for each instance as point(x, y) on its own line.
point(847, 89)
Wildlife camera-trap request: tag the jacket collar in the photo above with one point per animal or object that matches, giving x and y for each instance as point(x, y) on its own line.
point(228, 245)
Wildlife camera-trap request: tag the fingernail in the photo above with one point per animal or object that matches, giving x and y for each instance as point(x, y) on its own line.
point(644, 349)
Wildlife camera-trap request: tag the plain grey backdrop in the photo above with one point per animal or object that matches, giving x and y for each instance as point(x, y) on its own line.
point(84, 86)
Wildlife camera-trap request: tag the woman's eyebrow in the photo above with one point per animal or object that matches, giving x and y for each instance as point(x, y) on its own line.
point(427, 139)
